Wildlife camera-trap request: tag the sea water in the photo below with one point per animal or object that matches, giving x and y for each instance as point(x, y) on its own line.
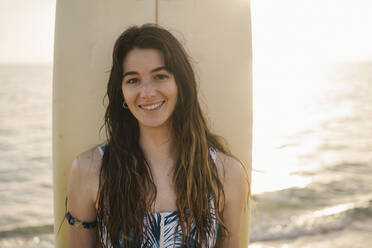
point(312, 160)
point(26, 197)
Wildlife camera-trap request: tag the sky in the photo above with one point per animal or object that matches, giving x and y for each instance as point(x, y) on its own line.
point(27, 30)
point(299, 34)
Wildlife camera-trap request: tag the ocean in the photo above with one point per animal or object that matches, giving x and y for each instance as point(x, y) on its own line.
point(312, 159)
point(26, 196)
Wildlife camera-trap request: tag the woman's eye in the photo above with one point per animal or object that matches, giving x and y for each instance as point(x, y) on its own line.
point(161, 76)
point(132, 81)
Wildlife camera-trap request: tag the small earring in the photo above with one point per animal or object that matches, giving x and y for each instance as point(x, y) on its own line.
point(125, 105)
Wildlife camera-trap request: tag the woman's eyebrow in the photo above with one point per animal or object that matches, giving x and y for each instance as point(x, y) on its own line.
point(159, 69)
point(130, 73)
point(154, 70)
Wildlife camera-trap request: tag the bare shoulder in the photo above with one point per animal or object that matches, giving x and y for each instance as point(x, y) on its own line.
point(234, 178)
point(230, 168)
point(88, 163)
point(236, 188)
point(83, 184)
point(82, 191)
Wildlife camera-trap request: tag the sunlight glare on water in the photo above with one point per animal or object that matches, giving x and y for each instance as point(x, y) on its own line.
point(289, 118)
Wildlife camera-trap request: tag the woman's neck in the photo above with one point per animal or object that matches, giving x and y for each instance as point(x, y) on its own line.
point(158, 146)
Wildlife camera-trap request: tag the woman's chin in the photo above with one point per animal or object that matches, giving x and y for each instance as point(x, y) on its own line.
point(154, 124)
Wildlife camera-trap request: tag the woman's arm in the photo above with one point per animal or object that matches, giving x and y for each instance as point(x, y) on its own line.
point(81, 191)
point(236, 193)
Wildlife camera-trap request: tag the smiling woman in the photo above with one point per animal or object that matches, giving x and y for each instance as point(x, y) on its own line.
point(161, 178)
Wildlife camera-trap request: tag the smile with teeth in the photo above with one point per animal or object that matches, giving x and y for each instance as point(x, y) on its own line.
point(152, 106)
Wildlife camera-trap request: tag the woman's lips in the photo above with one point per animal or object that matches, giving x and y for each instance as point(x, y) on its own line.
point(152, 106)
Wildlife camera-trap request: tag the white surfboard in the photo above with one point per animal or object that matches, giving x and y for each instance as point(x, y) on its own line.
point(217, 35)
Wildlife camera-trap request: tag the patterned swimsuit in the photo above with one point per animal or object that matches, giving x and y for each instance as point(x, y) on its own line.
point(161, 228)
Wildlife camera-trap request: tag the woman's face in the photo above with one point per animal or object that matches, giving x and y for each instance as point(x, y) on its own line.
point(148, 88)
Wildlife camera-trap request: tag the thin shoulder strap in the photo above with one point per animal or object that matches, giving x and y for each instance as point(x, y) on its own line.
point(213, 153)
point(101, 149)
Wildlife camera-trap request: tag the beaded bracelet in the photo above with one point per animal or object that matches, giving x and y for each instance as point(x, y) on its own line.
point(79, 224)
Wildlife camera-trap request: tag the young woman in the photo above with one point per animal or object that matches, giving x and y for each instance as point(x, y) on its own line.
point(162, 179)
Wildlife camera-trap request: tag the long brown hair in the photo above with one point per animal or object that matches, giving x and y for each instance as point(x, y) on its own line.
point(126, 187)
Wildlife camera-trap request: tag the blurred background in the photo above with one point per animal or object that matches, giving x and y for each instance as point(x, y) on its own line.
point(312, 134)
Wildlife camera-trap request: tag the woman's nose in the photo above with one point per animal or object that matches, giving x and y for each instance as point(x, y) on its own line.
point(148, 89)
